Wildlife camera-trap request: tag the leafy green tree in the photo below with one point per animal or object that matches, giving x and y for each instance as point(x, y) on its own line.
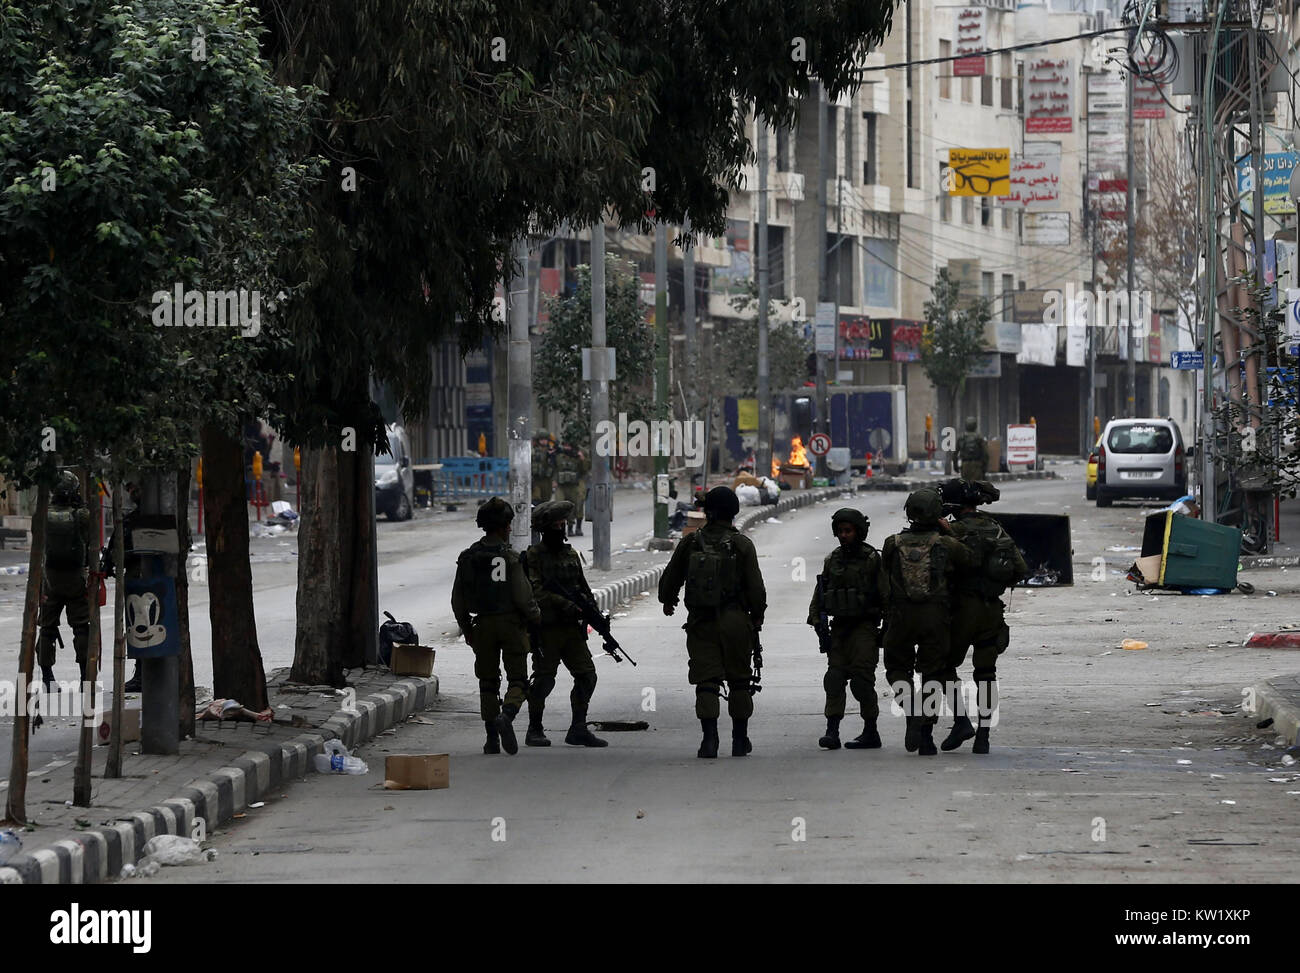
point(953, 338)
point(458, 126)
point(732, 356)
point(143, 145)
point(558, 363)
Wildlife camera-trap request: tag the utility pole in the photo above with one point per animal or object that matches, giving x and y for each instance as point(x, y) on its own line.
point(823, 401)
point(600, 489)
point(660, 445)
point(520, 401)
point(688, 312)
point(1088, 436)
point(763, 455)
point(1131, 371)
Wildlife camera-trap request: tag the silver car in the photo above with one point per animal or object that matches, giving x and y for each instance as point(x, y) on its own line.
point(1141, 458)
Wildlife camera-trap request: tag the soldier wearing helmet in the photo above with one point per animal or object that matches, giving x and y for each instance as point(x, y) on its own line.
point(977, 610)
point(852, 592)
point(563, 636)
point(725, 604)
point(973, 452)
point(494, 606)
point(63, 584)
point(919, 563)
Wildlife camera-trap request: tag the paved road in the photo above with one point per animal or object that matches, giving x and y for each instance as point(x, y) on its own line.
point(1109, 765)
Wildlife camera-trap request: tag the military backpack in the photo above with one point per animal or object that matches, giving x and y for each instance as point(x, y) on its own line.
point(711, 573)
point(489, 579)
point(921, 560)
point(568, 468)
point(65, 548)
point(970, 447)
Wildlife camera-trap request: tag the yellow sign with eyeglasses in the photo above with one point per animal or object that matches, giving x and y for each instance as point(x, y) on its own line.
point(977, 172)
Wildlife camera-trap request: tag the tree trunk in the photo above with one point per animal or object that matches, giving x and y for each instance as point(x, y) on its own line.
point(16, 796)
point(956, 426)
point(236, 659)
point(183, 602)
point(81, 787)
point(113, 765)
point(337, 598)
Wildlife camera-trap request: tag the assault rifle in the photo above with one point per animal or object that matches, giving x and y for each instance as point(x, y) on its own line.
point(755, 681)
point(593, 616)
point(823, 626)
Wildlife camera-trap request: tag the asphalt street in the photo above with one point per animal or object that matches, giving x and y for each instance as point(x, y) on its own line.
point(1107, 764)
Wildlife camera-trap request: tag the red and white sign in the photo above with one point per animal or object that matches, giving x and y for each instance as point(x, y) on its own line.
point(971, 42)
point(1035, 183)
point(819, 444)
point(1049, 95)
point(1022, 445)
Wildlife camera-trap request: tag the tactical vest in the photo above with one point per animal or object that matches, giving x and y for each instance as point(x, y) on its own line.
point(488, 585)
point(65, 548)
point(541, 464)
point(997, 553)
point(849, 585)
point(971, 447)
point(563, 567)
point(921, 559)
point(711, 575)
point(569, 469)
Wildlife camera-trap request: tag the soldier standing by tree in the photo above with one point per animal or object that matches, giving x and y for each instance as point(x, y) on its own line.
point(725, 604)
point(853, 591)
point(919, 563)
point(571, 466)
point(494, 606)
point(977, 616)
point(973, 452)
point(563, 637)
point(543, 466)
point(63, 586)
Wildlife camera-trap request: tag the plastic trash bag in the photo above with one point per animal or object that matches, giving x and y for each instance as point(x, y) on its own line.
point(173, 849)
point(10, 844)
point(337, 760)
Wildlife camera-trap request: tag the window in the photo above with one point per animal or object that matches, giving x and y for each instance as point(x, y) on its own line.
point(945, 70)
point(1006, 217)
point(945, 207)
point(1139, 439)
point(850, 140)
point(870, 175)
point(1008, 81)
point(879, 278)
point(966, 209)
point(986, 284)
point(782, 149)
point(1008, 288)
point(776, 271)
point(986, 89)
point(986, 211)
point(967, 88)
point(839, 269)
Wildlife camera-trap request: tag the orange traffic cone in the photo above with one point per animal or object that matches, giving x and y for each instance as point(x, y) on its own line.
point(869, 474)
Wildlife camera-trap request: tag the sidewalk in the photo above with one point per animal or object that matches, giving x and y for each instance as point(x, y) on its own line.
point(229, 766)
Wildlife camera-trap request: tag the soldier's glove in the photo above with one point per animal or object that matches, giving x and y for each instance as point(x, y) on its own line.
point(669, 608)
point(814, 621)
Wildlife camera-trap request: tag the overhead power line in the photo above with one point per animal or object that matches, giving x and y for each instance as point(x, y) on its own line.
point(1028, 45)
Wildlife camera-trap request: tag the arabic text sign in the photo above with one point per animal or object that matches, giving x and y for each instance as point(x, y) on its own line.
point(971, 42)
point(1022, 444)
point(1035, 183)
point(1276, 178)
point(1049, 95)
point(978, 172)
point(1047, 229)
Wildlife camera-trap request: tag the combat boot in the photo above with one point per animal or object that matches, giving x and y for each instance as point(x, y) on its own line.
point(740, 745)
point(961, 732)
point(579, 735)
point(925, 738)
point(505, 725)
point(981, 744)
point(831, 739)
point(912, 739)
point(536, 735)
point(709, 745)
point(868, 739)
point(493, 744)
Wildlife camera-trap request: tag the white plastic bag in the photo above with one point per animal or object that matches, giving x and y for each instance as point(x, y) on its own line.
point(337, 760)
point(10, 844)
point(173, 849)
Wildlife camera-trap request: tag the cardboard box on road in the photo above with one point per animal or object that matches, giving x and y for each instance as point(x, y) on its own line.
point(412, 660)
point(417, 772)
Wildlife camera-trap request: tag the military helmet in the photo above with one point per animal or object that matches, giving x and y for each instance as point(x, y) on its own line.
point(494, 514)
point(968, 493)
point(982, 491)
point(855, 517)
point(721, 502)
point(551, 513)
point(67, 489)
point(924, 507)
point(971, 424)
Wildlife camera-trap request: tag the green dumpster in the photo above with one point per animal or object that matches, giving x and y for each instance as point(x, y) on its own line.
point(1193, 553)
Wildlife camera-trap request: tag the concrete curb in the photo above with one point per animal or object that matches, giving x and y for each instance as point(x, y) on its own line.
point(98, 854)
point(623, 590)
point(908, 484)
point(1249, 561)
point(1270, 701)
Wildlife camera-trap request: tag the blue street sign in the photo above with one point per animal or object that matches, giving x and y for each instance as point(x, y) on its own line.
point(1187, 360)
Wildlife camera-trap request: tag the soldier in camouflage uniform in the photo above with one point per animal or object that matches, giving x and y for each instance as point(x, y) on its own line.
point(494, 606)
point(853, 591)
point(977, 617)
point(919, 563)
point(543, 466)
point(563, 637)
point(725, 604)
point(63, 586)
point(571, 467)
point(973, 452)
